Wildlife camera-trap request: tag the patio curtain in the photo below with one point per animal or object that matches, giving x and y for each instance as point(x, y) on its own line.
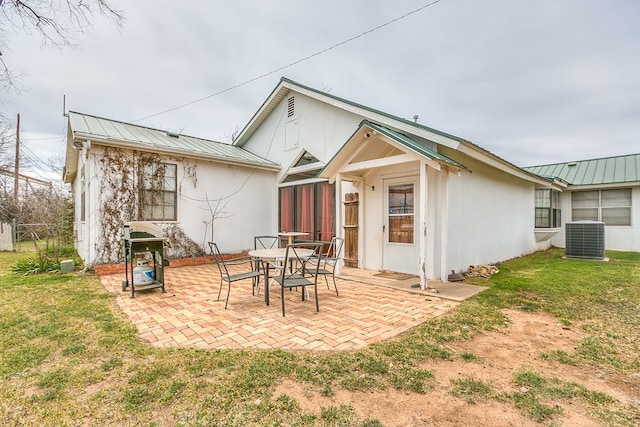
point(286, 209)
point(309, 208)
point(305, 209)
point(326, 212)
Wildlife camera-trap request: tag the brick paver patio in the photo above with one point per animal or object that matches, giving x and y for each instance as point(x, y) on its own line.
point(188, 315)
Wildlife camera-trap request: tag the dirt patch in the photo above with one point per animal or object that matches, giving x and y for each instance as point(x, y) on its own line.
point(500, 354)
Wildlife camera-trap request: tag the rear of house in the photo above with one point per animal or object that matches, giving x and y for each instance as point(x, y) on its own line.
point(406, 197)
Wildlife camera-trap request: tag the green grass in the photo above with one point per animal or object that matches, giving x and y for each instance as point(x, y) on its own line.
point(68, 357)
point(472, 390)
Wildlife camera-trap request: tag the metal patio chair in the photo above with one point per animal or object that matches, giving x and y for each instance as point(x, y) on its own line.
point(298, 273)
point(225, 276)
point(264, 242)
point(328, 260)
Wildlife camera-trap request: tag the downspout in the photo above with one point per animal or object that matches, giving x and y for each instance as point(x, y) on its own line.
point(444, 223)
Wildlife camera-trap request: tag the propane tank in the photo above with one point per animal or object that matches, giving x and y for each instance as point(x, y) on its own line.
point(143, 274)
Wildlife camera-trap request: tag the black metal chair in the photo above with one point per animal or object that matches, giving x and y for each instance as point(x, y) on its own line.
point(298, 273)
point(329, 259)
point(264, 242)
point(225, 276)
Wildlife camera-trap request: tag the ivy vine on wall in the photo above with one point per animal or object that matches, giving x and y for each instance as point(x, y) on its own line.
point(122, 192)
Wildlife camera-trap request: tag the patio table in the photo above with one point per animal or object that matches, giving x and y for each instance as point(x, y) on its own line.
point(292, 234)
point(271, 255)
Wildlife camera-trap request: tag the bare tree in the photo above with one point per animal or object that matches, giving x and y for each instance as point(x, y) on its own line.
point(56, 22)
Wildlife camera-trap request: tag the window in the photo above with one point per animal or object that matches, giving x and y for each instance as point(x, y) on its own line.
point(158, 196)
point(401, 213)
point(309, 208)
point(548, 214)
point(613, 207)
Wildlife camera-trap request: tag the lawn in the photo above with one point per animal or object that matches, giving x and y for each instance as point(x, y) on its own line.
point(69, 357)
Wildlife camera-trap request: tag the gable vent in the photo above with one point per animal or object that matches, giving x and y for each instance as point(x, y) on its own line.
point(584, 239)
point(291, 106)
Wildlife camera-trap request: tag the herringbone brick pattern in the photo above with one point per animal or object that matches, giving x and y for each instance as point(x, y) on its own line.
point(189, 315)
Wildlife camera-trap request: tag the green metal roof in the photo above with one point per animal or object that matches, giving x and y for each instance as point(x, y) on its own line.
point(413, 145)
point(149, 139)
point(609, 170)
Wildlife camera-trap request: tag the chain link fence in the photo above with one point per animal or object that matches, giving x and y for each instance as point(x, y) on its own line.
point(24, 237)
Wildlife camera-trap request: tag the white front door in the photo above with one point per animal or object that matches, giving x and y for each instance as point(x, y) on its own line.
point(400, 250)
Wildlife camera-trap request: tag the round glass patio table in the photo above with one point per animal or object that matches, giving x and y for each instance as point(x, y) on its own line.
point(274, 255)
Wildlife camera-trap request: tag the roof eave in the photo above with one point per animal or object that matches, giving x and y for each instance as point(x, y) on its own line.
point(143, 147)
point(400, 124)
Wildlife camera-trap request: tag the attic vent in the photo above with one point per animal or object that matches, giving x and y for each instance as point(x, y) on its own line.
point(584, 239)
point(291, 105)
point(571, 164)
point(173, 134)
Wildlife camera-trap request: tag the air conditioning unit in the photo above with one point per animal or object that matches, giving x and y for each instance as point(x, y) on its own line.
point(584, 239)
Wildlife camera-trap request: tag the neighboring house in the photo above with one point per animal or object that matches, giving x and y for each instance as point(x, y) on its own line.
point(606, 190)
point(406, 197)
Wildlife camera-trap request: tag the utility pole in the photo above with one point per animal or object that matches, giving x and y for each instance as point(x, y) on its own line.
point(17, 163)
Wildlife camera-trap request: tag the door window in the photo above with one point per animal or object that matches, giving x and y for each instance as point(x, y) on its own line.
point(401, 213)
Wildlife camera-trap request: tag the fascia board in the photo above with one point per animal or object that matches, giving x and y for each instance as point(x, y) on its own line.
point(272, 101)
point(502, 165)
point(603, 186)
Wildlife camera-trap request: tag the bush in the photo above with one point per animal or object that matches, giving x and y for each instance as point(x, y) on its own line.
point(46, 261)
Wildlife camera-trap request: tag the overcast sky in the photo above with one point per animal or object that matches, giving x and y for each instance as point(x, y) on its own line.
point(534, 82)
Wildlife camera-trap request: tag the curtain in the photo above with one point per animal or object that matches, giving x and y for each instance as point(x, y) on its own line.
point(304, 209)
point(286, 209)
point(326, 212)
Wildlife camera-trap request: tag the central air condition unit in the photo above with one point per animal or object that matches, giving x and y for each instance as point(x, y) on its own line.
point(584, 239)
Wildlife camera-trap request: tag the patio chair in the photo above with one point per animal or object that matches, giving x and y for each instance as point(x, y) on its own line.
point(328, 260)
point(264, 242)
point(225, 276)
point(299, 274)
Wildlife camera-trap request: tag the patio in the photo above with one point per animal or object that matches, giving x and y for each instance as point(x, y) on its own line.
point(368, 310)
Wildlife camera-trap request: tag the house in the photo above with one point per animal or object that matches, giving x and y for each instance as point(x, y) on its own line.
point(606, 190)
point(406, 197)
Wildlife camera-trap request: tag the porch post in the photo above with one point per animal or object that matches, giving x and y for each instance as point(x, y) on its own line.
point(422, 238)
point(339, 221)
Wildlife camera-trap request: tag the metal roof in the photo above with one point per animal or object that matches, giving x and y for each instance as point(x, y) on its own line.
point(412, 144)
point(608, 170)
point(99, 129)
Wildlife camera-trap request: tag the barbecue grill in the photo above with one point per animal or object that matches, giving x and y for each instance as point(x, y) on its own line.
point(141, 238)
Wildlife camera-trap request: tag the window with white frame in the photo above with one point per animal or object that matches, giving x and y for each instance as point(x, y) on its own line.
point(548, 213)
point(158, 195)
point(613, 207)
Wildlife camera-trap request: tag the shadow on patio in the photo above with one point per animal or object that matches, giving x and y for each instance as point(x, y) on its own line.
point(188, 315)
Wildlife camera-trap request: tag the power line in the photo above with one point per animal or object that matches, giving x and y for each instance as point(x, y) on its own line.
point(306, 58)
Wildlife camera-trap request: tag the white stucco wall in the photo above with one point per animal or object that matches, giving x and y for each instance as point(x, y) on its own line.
point(617, 238)
point(491, 217)
point(242, 200)
point(321, 130)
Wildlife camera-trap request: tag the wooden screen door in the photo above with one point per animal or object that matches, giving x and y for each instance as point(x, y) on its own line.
point(400, 250)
